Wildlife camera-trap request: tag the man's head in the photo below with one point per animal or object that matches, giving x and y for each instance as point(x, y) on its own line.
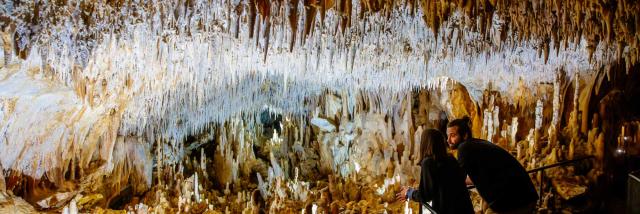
point(458, 131)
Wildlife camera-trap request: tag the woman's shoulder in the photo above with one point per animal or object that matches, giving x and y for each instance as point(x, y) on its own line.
point(428, 161)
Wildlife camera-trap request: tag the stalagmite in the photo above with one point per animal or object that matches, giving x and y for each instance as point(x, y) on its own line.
point(513, 132)
point(196, 191)
point(73, 209)
point(572, 150)
point(599, 146)
point(407, 210)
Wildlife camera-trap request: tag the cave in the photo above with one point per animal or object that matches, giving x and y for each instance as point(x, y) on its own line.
point(259, 106)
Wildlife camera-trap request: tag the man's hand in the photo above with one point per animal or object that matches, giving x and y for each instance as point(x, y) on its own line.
point(402, 195)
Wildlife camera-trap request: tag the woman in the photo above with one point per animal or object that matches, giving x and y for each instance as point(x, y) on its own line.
point(441, 179)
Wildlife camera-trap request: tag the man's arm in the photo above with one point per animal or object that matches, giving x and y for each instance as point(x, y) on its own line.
point(463, 158)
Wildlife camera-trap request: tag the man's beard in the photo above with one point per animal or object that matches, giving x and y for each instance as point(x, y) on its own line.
point(454, 146)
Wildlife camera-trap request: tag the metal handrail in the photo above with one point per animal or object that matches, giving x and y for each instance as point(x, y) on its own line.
point(562, 163)
point(542, 168)
point(550, 166)
point(429, 208)
point(634, 177)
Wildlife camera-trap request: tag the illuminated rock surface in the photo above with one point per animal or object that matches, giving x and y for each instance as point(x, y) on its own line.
point(290, 106)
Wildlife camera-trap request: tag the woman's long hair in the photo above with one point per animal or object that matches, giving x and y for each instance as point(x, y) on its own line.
point(433, 145)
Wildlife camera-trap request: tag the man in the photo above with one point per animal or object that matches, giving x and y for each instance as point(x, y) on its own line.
point(499, 178)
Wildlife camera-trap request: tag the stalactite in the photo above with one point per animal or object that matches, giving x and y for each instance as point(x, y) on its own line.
point(310, 15)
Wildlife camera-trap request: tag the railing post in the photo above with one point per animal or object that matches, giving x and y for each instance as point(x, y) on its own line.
point(541, 186)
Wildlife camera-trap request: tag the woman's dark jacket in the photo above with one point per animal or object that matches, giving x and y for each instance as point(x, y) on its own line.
point(443, 182)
